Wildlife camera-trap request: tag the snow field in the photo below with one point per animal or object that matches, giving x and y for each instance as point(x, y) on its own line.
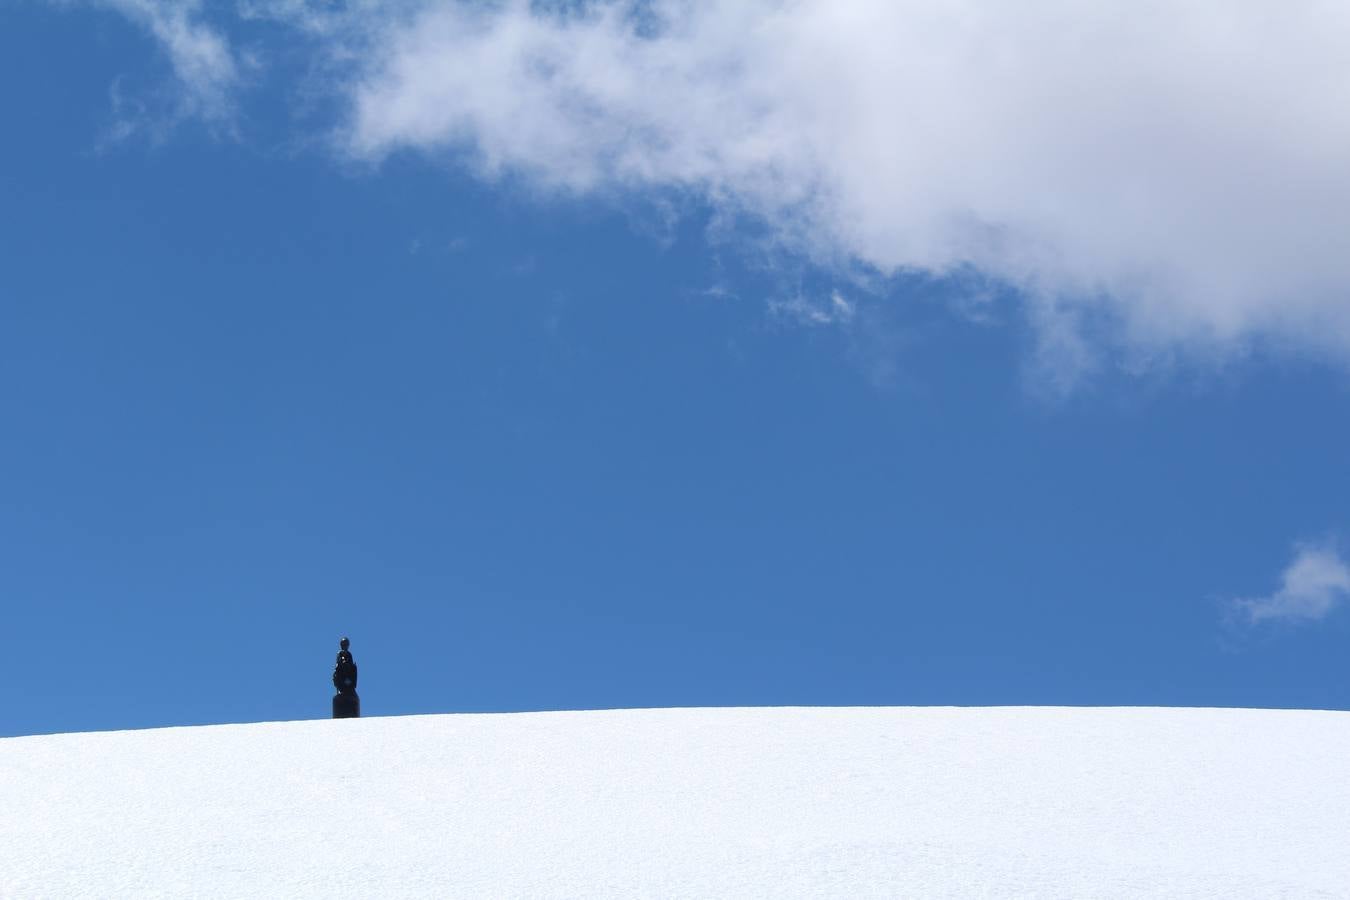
point(709, 803)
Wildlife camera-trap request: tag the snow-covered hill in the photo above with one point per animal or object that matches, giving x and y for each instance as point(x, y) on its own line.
point(1005, 802)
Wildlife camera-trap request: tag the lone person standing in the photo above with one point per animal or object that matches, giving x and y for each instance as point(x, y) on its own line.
point(346, 703)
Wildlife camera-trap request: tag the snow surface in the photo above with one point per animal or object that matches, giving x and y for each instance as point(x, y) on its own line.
point(932, 802)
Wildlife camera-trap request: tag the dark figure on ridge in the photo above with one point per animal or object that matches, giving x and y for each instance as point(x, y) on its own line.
point(346, 703)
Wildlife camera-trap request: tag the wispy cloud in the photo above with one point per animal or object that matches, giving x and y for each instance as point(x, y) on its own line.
point(1175, 172)
point(834, 310)
point(206, 69)
point(1311, 587)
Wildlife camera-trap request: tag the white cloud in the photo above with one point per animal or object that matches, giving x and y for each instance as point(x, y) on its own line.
point(204, 65)
point(835, 310)
point(1314, 584)
point(1180, 167)
point(1174, 173)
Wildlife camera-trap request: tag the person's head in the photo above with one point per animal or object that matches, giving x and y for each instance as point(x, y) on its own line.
point(344, 643)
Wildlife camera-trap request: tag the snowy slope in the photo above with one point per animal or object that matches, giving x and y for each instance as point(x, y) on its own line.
point(1005, 802)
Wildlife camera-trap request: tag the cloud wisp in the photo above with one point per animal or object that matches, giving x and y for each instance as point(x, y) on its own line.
point(1175, 171)
point(1311, 587)
point(204, 64)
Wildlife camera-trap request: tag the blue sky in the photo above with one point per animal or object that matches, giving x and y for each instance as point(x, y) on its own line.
point(551, 396)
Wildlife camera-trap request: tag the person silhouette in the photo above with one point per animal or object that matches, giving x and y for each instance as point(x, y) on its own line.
point(346, 703)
